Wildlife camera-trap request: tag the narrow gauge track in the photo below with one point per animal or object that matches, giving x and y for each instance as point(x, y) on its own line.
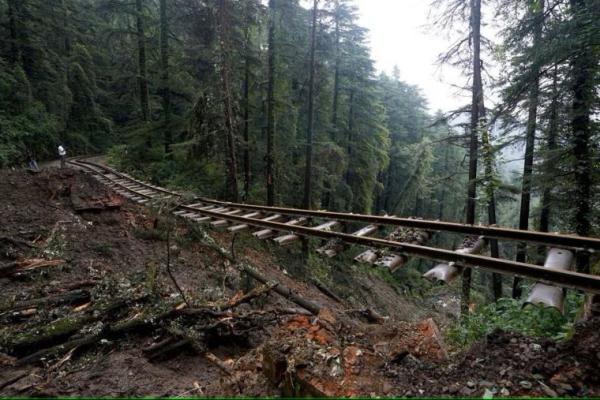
point(203, 210)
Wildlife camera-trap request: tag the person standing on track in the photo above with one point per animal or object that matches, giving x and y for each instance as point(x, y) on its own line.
point(62, 153)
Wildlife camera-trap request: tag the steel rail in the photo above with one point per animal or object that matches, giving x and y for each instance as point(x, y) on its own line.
point(550, 239)
point(562, 278)
point(575, 280)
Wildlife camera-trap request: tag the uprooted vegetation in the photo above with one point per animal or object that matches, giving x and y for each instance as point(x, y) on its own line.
point(104, 297)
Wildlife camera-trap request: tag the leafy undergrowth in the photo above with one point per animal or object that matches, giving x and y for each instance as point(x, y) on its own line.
point(510, 315)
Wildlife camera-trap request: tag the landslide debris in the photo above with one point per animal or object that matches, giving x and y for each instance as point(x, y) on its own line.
point(89, 309)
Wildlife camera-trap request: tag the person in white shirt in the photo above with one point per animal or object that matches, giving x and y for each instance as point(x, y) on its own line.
point(62, 153)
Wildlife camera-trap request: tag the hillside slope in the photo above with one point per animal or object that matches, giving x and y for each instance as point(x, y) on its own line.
point(110, 319)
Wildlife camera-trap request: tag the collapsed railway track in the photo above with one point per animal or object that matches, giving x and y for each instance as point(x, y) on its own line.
point(288, 225)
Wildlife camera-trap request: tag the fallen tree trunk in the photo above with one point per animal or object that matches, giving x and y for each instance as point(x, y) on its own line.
point(63, 328)
point(326, 291)
point(17, 242)
point(284, 291)
point(73, 297)
point(253, 273)
point(139, 321)
point(119, 327)
point(27, 265)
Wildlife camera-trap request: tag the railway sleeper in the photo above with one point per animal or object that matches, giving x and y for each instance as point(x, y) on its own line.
point(394, 261)
point(267, 233)
point(334, 246)
point(241, 227)
point(446, 272)
point(548, 295)
point(285, 240)
point(224, 222)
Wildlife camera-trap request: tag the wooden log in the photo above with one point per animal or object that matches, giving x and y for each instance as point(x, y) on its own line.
point(27, 265)
point(61, 329)
point(326, 291)
point(446, 272)
point(245, 267)
point(73, 297)
point(17, 242)
point(139, 321)
point(369, 315)
point(216, 309)
point(283, 291)
point(76, 285)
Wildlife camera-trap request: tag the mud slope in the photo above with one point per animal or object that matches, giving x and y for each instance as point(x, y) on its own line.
point(88, 308)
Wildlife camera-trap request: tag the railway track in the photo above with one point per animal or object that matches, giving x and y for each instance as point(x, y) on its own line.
point(287, 225)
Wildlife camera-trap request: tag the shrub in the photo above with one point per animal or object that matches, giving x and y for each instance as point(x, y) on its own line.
point(510, 315)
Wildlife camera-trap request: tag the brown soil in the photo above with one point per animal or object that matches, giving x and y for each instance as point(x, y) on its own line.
point(345, 351)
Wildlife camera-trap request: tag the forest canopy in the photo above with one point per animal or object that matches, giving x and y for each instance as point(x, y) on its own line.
point(276, 103)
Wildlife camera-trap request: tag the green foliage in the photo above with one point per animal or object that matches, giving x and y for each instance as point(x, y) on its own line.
point(510, 315)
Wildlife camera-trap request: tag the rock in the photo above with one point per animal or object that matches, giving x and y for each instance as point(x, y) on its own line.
point(504, 392)
point(526, 384)
point(486, 384)
point(537, 377)
point(535, 347)
point(387, 388)
point(566, 387)
point(487, 394)
point(547, 390)
point(454, 388)
point(465, 391)
point(513, 340)
point(471, 384)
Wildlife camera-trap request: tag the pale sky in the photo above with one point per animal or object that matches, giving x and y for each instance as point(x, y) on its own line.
point(399, 36)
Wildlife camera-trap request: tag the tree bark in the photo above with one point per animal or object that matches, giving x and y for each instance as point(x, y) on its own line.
point(74, 297)
point(13, 11)
point(142, 69)
point(477, 100)
point(164, 65)
point(247, 45)
point(271, 105)
point(224, 23)
point(548, 162)
point(443, 194)
point(336, 76)
point(529, 147)
point(350, 129)
point(583, 66)
point(491, 198)
point(309, 130)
